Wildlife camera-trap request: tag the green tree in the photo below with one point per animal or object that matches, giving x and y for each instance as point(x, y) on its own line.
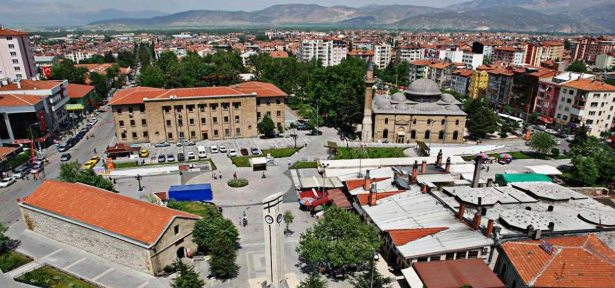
point(266, 126)
point(151, 77)
point(166, 59)
point(288, 218)
point(4, 240)
point(126, 59)
point(504, 130)
point(70, 172)
point(294, 135)
point(223, 256)
point(364, 280)
point(95, 59)
point(340, 238)
point(100, 84)
point(66, 70)
point(481, 120)
point(542, 142)
point(586, 170)
point(144, 56)
point(207, 229)
point(577, 66)
point(280, 128)
point(314, 280)
point(109, 57)
point(187, 278)
point(567, 44)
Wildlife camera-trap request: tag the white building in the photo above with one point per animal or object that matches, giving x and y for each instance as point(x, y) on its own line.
point(382, 55)
point(330, 51)
point(587, 102)
point(16, 56)
point(409, 53)
point(472, 60)
point(605, 61)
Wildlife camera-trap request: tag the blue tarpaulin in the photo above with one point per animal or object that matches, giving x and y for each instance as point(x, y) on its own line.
point(197, 192)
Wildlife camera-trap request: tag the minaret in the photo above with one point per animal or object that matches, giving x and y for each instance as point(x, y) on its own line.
point(367, 129)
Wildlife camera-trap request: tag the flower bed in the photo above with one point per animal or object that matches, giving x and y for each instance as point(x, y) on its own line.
point(237, 183)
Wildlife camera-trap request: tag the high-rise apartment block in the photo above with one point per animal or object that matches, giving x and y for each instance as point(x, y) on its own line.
point(16, 56)
point(330, 51)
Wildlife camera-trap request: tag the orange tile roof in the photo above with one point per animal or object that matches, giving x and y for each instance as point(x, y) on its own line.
point(421, 62)
point(589, 85)
point(7, 100)
point(363, 198)
point(463, 72)
point(76, 91)
point(440, 65)
point(6, 150)
point(279, 54)
point(404, 236)
point(576, 261)
point(262, 89)
point(457, 273)
point(114, 213)
point(356, 183)
point(507, 48)
point(31, 85)
point(8, 32)
point(359, 52)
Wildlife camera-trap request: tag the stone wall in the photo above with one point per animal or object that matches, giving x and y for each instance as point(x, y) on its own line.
point(116, 250)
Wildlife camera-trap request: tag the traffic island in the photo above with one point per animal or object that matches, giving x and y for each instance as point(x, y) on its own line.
point(237, 182)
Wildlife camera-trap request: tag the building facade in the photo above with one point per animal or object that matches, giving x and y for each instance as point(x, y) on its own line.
point(605, 61)
point(408, 53)
point(419, 69)
point(329, 51)
point(154, 115)
point(508, 55)
point(588, 48)
point(16, 55)
point(460, 81)
point(382, 55)
point(548, 94)
point(478, 84)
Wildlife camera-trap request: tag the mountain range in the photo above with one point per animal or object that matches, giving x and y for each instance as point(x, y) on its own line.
point(570, 16)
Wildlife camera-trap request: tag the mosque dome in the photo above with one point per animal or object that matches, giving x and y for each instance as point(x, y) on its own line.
point(402, 107)
point(452, 107)
point(426, 107)
point(424, 87)
point(381, 102)
point(398, 97)
point(448, 98)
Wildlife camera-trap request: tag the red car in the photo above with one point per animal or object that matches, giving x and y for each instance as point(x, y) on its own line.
point(244, 151)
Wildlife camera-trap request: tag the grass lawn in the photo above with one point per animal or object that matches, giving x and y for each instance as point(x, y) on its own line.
point(371, 152)
point(195, 208)
point(304, 165)
point(133, 164)
point(49, 277)
point(281, 152)
point(243, 161)
point(9, 260)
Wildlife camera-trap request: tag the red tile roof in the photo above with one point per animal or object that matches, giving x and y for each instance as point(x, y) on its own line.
point(576, 261)
point(338, 198)
point(262, 89)
point(356, 183)
point(279, 54)
point(6, 150)
point(589, 85)
point(404, 236)
point(120, 215)
point(463, 72)
point(421, 62)
point(457, 273)
point(363, 198)
point(31, 85)
point(8, 32)
point(7, 100)
point(76, 91)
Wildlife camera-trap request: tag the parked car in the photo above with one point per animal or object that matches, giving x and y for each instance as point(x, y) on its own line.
point(162, 144)
point(6, 182)
point(255, 151)
point(144, 153)
point(63, 148)
point(191, 156)
point(232, 153)
point(185, 143)
point(222, 149)
point(21, 172)
point(170, 158)
point(93, 121)
point(551, 131)
point(569, 138)
point(213, 149)
point(244, 151)
point(65, 157)
point(181, 157)
point(540, 127)
point(79, 135)
point(161, 158)
point(557, 142)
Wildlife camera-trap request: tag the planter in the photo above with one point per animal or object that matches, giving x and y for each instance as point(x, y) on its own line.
point(237, 183)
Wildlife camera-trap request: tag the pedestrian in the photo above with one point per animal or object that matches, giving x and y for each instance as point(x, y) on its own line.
point(264, 175)
point(235, 175)
point(94, 150)
point(240, 222)
point(488, 168)
point(289, 163)
point(220, 209)
point(215, 176)
point(220, 173)
point(245, 222)
point(244, 213)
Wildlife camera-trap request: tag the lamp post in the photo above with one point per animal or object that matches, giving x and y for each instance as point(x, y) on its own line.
point(139, 177)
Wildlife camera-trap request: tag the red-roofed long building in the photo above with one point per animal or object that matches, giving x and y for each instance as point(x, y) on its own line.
point(16, 56)
point(133, 233)
point(144, 114)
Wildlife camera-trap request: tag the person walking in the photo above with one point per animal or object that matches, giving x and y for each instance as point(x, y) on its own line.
point(235, 175)
point(288, 163)
point(240, 222)
point(220, 174)
point(263, 177)
point(244, 213)
point(94, 150)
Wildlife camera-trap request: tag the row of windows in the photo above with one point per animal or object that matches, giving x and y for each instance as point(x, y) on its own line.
point(386, 121)
point(385, 134)
point(135, 135)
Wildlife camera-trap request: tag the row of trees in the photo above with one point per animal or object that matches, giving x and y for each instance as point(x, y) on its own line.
point(592, 161)
point(67, 70)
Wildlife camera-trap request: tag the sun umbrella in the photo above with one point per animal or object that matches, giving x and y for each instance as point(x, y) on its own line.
point(506, 156)
point(483, 155)
point(306, 201)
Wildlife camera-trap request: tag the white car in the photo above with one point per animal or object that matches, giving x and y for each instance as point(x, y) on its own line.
point(551, 131)
point(557, 142)
point(6, 182)
point(213, 149)
point(232, 153)
point(222, 149)
point(93, 121)
point(569, 138)
point(191, 156)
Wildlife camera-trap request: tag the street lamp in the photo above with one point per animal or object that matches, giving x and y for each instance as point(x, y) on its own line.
point(139, 177)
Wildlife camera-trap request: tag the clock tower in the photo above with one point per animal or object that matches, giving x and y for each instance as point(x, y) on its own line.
point(274, 242)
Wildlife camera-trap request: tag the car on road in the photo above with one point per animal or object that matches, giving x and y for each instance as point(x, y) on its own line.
point(185, 143)
point(222, 149)
point(244, 151)
point(232, 153)
point(202, 151)
point(79, 135)
point(191, 156)
point(21, 171)
point(63, 148)
point(93, 121)
point(569, 138)
point(95, 158)
point(540, 127)
point(551, 131)
point(6, 182)
point(162, 144)
point(255, 151)
point(557, 142)
point(161, 158)
point(144, 153)
point(213, 149)
point(181, 157)
point(88, 165)
point(65, 157)
point(170, 158)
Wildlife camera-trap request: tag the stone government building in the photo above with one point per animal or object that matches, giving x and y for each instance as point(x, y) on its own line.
point(421, 113)
point(143, 114)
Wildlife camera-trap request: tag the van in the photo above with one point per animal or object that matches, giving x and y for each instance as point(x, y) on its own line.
point(202, 151)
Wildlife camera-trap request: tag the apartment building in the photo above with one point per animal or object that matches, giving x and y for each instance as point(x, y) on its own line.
point(440, 73)
point(419, 69)
point(460, 81)
point(545, 103)
point(588, 48)
point(382, 55)
point(499, 87)
point(364, 55)
point(479, 81)
point(556, 49)
point(16, 55)
point(144, 114)
point(509, 55)
point(408, 53)
point(605, 61)
point(329, 51)
point(485, 47)
point(586, 102)
point(472, 60)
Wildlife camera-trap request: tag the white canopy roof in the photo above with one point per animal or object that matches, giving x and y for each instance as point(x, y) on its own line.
point(543, 169)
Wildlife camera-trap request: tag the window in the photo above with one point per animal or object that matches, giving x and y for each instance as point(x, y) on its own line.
point(564, 117)
point(142, 109)
point(268, 102)
point(461, 255)
point(593, 104)
point(450, 256)
point(203, 121)
point(170, 135)
point(277, 101)
point(192, 134)
point(17, 68)
point(413, 121)
point(225, 119)
point(134, 135)
point(215, 120)
point(13, 53)
point(129, 109)
point(435, 258)
point(443, 122)
point(190, 108)
point(385, 134)
point(258, 102)
point(441, 135)
point(278, 114)
point(121, 122)
point(124, 135)
point(176, 229)
point(269, 113)
point(132, 123)
point(258, 115)
point(565, 90)
point(18, 76)
point(428, 121)
point(590, 121)
point(168, 122)
point(215, 132)
point(180, 122)
point(386, 120)
point(591, 113)
point(570, 92)
point(191, 121)
point(427, 134)
point(422, 259)
point(227, 132)
point(236, 119)
point(145, 134)
point(225, 106)
point(596, 95)
point(202, 108)
point(9, 38)
point(473, 254)
point(214, 107)
point(11, 46)
point(15, 61)
point(569, 100)
point(143, 122)
point(166, 109)
point(237, 131)
point(457, 122)
point(237, 105)
point(178, 109)
point(413, 134)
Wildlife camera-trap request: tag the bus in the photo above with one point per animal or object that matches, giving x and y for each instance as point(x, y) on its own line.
point(505, 117)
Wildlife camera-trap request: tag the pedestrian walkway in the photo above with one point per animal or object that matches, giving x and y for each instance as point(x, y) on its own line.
point(24, 269)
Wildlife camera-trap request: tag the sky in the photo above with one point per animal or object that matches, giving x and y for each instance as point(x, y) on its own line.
point(172, 6)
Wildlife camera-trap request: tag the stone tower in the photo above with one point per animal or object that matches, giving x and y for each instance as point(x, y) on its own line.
point(367, 129)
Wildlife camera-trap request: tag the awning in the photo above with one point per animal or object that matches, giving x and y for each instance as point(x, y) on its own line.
point(548, 120)
point(543, 169)
point(204, 131)
point(72, 107)
point(323, 200)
